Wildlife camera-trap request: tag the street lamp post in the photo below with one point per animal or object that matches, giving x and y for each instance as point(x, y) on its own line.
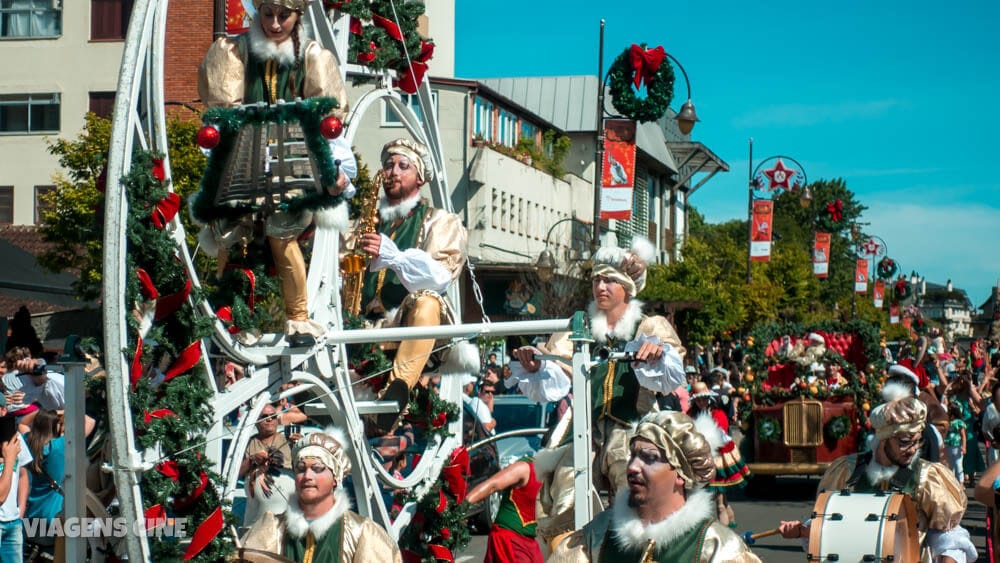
point(780, 179)
point(685, 118)
point(872, 248)
point(546, 265)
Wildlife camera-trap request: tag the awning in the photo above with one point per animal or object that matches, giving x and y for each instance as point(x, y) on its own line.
point(693, 157)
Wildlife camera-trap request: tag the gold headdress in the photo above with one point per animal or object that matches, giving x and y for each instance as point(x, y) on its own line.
point(687, 450)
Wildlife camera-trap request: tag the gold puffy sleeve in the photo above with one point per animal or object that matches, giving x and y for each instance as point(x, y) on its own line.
point(723, 545)
point(365, 541)
point(663, 330)
point(220, 76)
point(573, 549)
point(445, 240)
point(940, 498)
point(265, 534)
point(323, 77)
point(837, 474)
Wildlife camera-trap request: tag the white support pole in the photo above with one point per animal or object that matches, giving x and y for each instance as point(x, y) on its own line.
point(582, 480)
point(448, 331)
point(75, 482)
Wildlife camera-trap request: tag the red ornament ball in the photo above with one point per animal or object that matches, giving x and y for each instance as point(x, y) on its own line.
point(331, 127)
point(445, 533)
point(208, 137)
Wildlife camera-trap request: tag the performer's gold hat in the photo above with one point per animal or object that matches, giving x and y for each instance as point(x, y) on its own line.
point(328, 448)
point(414, 151)
point(297, 5)
point(686, 449)
point(625, 266)
point(905, 415)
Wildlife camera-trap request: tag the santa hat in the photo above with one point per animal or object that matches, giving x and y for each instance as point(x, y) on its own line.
point(816, 338)
point(907, 368)
point(625, 266)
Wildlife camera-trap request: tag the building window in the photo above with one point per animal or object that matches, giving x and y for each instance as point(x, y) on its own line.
point(29, 113)
point(6, 205)
point(109, 19)
point(42, 201)
point(20, 19)
point(391, 119)
point(484, 119)
point(102, 104)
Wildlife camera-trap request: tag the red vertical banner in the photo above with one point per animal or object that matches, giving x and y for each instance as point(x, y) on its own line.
point(760, 230)
point(861, 276)
point(878, 294)
point(894, 314)
point(618, 169)
point(821, 255)
point(237, 16)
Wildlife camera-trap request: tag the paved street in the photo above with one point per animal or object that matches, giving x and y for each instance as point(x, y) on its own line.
point(787, 498)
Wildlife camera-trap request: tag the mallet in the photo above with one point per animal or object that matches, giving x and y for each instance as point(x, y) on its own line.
point(751, 538)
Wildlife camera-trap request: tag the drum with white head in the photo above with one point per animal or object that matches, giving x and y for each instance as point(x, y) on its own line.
point(850, 527)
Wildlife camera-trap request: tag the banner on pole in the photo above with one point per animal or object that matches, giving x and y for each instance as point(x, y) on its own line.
point(861, 276)
point(237, 17)
point(618, 169)
point(894, 314)
point(821, 255)
point(878, 294)
point(760, 230)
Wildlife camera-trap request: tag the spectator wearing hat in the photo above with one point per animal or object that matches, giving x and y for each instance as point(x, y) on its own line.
point(666, 514)
point(318, 525)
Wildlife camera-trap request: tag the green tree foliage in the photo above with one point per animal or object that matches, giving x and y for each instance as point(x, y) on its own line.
point(74, 225)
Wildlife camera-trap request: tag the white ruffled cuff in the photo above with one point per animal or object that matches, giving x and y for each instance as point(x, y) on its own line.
point(954, 543)
point(549, 383)
point(663, 375)
point(415, 268)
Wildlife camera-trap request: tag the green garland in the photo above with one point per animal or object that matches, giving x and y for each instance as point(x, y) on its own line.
point(659, 90)
point(838, 427)
point(376, 47)
point(768, 429)
point(439, 522)
point(181, 435)
point(229, 121)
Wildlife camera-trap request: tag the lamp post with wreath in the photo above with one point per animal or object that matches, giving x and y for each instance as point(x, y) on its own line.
point(767, 183)
point(634, 69)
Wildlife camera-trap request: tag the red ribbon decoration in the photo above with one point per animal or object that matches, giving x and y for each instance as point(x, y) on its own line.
point(410, 556)
point(135, 374)
point(836, 210)
point(167, 305)
point(442, 502)
point(389, 26)
point(146, 286)
point(158, 171)
point(155, 516)
point(455, 481)
point(148, 417)
point(225, 314)
point(169, 469)
point(165, 210)
point(205, 533)
point(180, 503)
point(253, 284)
point(355, 26)
point(440, 552)
point(645, 63)
point(188, 358)
point(460, 456)
point(410, 79)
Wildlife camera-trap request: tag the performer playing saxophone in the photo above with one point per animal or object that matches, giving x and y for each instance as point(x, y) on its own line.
point(417, 253)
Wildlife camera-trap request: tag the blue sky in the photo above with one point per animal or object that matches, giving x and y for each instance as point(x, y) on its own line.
point(898, 98)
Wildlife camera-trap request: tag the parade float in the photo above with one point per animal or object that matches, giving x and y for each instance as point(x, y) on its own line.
point(176, 445)
point(806, 395)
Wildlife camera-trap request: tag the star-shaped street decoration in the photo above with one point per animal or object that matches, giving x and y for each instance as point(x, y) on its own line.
point(871, 247)
point(779, 176)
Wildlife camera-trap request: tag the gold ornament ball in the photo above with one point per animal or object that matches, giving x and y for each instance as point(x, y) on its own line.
point(866, 407)
point(744, 426)
point(741, 390)
point(813, 390)
point(748, 377)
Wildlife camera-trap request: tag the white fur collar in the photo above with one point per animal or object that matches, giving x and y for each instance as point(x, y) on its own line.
point(389, 213)
point(633, 534)
point(284, 52)
point(297, 525)
point(623, 330)
point(878, 473)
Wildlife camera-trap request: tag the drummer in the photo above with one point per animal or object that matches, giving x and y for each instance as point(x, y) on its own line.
point(894, 464)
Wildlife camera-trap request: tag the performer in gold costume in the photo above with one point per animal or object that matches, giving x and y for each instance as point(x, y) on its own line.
point(275, 60)
point(318, 526)
point(666, 515)
point(894, 464)
point(417, 252)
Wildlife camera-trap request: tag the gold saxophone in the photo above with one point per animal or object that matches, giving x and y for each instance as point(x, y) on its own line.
point(354, 264)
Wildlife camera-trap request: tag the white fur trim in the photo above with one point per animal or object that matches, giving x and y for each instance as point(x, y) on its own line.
point(876, 472)
point(895, 391)
point(610, 255)
point(705, 424)
point(207, 242)
point(462, 358)
point(632, 533)
point(389, 213)
point(336, 218)
point(283, 52)
point(643, 248)
point(296, 524)
point(904, 371)
point(624, 329)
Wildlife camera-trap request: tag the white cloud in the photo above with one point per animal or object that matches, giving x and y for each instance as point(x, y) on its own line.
point(799, 115)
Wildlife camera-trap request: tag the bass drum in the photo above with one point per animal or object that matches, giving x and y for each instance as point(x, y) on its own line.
point(850, 527)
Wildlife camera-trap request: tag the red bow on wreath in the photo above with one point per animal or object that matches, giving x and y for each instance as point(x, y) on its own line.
point(645, 63)
point(410, 78)
point(454, 474)
point(836, 210)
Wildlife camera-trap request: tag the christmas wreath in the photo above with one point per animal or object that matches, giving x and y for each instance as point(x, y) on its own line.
point(768, 429)
point(838, 427)
point(886, 268)
point(633, 67)
point(901, 289)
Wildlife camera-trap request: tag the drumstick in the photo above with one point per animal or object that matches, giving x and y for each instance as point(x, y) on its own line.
point(751, 538)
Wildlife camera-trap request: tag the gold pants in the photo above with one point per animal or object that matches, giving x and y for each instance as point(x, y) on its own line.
point(291, 267)
point(412, 355)
point(611, 452)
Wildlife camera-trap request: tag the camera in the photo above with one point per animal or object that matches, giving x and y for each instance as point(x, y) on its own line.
point(39, 368)
point(292, 429)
